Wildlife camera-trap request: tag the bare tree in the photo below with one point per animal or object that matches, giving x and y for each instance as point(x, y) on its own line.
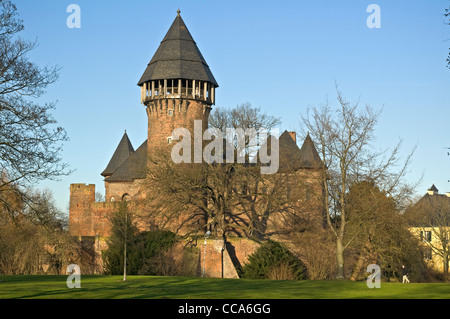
point(30, 143)
point(248, 123)
point(34, 238)
point(343, 137)
point(224, 197)
point(379, 233)
point(447, 15)
point(242, 116)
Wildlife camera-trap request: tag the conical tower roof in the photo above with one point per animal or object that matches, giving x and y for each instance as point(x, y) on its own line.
point(178, 57)
point(309, 156)
point(134, 167)
point(291, 157)
point(123, 151)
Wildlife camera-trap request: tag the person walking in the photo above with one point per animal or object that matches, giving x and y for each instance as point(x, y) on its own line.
point(405, 275)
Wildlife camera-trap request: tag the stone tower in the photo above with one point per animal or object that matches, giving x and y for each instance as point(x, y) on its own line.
point(177, 87)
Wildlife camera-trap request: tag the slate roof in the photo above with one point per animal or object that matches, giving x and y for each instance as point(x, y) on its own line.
point(122, 152)
point(178, 57)
point(134, 167)
point(430, 210)
point(309, 157)
point(293, 158)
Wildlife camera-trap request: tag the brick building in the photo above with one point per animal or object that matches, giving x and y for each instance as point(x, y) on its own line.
point(177, 88)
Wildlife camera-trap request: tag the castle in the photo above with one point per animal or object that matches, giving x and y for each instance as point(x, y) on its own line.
point(177, 88)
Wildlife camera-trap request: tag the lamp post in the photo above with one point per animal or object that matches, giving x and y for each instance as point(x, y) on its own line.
point(207, 234)
point(125, 247)
point(97, 243)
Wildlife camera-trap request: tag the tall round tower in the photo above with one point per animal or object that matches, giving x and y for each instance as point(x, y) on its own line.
point(177, 86)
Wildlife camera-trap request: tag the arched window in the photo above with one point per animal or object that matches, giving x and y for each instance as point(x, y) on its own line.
point(112, 199)
point(126, 197)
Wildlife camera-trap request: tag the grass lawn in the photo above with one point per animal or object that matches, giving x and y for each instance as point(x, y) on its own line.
point(140, 287)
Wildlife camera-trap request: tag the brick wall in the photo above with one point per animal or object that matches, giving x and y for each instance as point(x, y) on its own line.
point(117, 190)
point(165, 115)
point(222, 260)
point(80, 215)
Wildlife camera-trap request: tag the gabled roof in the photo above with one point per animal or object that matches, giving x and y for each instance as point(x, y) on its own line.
point(134, 167)
point(123, 151)
point(289, 153)
point(433, 188)
point(178, 57)
point(430, 210)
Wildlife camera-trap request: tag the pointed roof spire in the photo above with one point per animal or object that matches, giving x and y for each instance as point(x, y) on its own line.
point(309, 156)
point(291, 157)
point(123, 151)
point(178, 57)
point(134, 166)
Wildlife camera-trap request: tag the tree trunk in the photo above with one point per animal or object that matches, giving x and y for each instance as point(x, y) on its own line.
point(358, 267)
point(125, 261)
point(339, 258)
point(446, 259)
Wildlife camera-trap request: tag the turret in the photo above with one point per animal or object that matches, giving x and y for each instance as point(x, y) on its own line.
point(177, 86)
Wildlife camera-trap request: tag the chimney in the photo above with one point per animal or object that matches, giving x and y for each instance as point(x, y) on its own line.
point(293, 136)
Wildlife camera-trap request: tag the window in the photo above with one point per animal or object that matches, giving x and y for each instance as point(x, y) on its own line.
point(169, 140)
point(126, 197)
point(427, 253)
point(170, 112)
point(425, 236)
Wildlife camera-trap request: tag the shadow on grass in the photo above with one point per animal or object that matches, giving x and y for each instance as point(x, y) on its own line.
point(145, 287)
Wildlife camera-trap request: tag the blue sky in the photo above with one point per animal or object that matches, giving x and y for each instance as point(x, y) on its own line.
point(282, 56)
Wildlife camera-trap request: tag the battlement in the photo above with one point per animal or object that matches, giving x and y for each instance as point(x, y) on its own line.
point(84, 192)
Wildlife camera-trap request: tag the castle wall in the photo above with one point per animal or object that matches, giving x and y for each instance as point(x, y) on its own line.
point(82, 196)
point(86, 217)
point(91, 219)
point(221, 260)
point(115, 191)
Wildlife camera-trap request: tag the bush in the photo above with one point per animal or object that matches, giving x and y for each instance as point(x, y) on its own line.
point(272, 260)
point(281, 271)
point(148, 246)
point(141, 249)
point(177, 261)
point(317, 253)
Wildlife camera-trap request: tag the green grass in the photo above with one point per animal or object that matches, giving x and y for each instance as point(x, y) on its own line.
point(138, 287)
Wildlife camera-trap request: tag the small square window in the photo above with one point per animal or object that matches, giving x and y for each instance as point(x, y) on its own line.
point(169, 140)
point(170, 112)
point(425, 236)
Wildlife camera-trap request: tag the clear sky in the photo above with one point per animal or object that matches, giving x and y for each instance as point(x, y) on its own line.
point(279, 55)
